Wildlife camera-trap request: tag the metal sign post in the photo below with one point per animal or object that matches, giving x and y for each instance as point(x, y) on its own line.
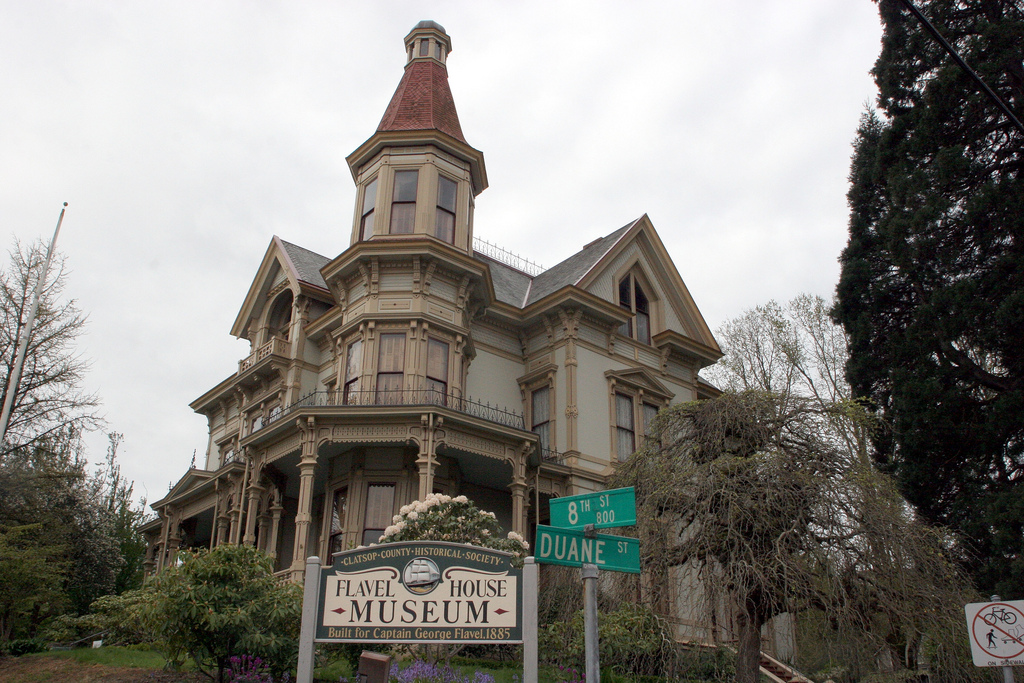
point(572, 541)
point(593, 668)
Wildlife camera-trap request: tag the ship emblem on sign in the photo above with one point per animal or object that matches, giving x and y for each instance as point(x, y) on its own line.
point(421, 576)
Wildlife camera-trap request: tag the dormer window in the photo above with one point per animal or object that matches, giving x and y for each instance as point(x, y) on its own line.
point(444, 223)
point(369, 203)
point(633, 299)
point(403, 203)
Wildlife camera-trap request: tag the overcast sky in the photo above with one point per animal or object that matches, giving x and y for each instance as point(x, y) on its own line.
point(185, 135)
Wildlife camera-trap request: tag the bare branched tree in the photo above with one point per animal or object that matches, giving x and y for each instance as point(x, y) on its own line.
point(750, 494)
point(50, 397)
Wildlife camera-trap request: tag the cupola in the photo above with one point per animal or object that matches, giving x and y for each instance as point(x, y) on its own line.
point(417, 175)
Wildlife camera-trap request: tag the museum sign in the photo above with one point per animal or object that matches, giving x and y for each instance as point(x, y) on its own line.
point(420, 591)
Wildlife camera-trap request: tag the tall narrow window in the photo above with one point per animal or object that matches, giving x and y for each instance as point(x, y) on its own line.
point(353, 372)
point(437, 371)
point(390, 369)
point(649, 413)
point(633, 299)
point(424, 47)
point(403, 203)
point(337, 540)
point(625, 433)
point(444, 222)
point(540, 417)
point(369, 203)
point(380, 504)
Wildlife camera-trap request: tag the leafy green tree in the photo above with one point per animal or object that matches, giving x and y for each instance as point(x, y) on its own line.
point(32, 572)
point(125, 516)
point(48, 484)
point(931, 291)
point(225, 602)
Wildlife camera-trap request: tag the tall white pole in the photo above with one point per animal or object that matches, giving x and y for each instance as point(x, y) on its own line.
point(26, 334)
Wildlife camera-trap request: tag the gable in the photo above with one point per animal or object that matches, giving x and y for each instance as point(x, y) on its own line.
point(284, 266)
point(640, 251)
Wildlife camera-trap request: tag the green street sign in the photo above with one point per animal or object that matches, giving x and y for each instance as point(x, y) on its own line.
point(604, 509)
point(572, 548)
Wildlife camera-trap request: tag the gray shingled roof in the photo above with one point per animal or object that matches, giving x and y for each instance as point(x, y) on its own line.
point(571, 270)
point(307, 264)
point(510, 285)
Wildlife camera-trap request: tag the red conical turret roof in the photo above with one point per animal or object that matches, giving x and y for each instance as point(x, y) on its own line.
point(423, 101)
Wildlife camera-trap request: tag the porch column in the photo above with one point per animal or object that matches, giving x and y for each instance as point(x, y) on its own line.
point(304, 516)
point(223, 527)
point(173, 543)
point(519, 488)
point(518, 508)
point(275, 528)
point(425, 459)
point(255, 493)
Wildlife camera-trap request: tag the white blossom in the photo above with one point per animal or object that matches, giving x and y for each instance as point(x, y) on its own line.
point(413, 515)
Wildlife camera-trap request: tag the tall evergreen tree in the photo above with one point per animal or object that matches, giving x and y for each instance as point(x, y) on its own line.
point(931, 292)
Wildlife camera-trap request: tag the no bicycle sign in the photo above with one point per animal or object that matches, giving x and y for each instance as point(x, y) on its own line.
point(997, 632)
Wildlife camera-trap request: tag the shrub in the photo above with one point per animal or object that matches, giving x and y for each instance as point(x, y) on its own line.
point(222, 603)
point(26, 646)
point(631, 640)
point(120, 618)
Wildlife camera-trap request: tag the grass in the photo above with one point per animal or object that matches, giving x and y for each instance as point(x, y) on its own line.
point(110, 656)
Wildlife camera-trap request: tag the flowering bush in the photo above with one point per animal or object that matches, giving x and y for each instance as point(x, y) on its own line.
point(443, 518)
point(249, 669)
point(420, 671)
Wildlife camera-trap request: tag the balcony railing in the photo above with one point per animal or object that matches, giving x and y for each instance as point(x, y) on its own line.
point(276, 347)
point(408, 397)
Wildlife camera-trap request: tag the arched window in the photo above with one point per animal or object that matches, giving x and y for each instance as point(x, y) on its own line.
point(633, 299)
point(280, 320)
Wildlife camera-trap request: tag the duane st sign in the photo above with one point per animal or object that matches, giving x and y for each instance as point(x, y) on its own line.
point(419, 592)
point(573, 548)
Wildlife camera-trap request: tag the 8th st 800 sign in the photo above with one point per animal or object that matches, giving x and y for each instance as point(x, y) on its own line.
point(604, 510)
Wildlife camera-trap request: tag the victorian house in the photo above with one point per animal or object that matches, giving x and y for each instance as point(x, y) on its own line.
point(422, 358)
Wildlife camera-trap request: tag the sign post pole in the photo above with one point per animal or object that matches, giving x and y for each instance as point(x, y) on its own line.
point(307, 629)
point(593, 669)
point(531, 574)
point(1007, 670)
